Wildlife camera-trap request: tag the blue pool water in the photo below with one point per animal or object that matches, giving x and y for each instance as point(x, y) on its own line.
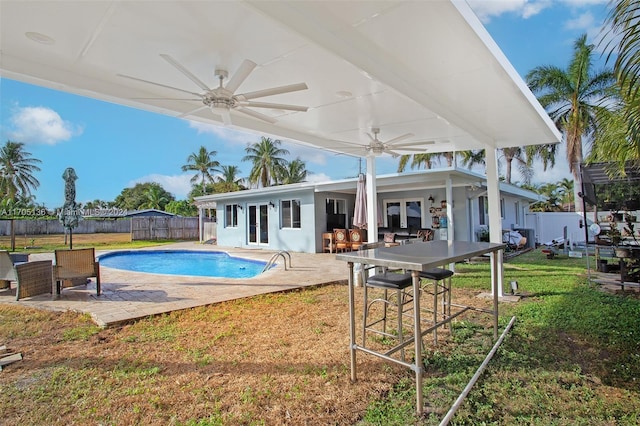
point(183, 262)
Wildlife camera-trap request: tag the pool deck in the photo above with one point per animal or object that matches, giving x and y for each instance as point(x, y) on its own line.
point(128, 296)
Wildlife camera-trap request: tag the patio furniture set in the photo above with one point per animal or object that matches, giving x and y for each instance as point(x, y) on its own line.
point(32, 278)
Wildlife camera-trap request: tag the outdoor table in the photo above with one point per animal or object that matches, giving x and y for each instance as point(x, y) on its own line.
point(415, 258)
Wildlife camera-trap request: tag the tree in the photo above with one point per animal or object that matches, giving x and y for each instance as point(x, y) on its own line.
point(265, 156)
point(202, 162)
point(137, 198)
point(293, 172)
point(182, 208)
point(519, 155)
point(572, 97)
point(229, 179)
point(155, 198)
point(566, 190)
point(426, 159)
point(624, 42)
point(16, 171)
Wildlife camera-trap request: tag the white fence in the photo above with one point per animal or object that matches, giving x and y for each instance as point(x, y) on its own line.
point(550, 226)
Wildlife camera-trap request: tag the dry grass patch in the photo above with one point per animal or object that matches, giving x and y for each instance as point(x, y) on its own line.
point(275, 359)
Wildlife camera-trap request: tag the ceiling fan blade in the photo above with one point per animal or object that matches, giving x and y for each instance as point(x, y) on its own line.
point(256, 115)
point(185, 71)
point(168, 99)
point(272, 91)
point(240, 75)
point(193, 111)
point(414, 144)
point(399, 138)
point(273, 106)
point(159, 84)
point(392, 153)
point(410, 149)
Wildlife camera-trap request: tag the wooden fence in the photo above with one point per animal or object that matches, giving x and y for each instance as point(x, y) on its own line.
point(164, 228)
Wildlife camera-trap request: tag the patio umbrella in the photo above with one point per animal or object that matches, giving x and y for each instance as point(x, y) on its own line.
point(360, 210)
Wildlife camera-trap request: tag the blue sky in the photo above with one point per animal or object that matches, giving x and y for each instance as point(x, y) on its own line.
point(113, 147)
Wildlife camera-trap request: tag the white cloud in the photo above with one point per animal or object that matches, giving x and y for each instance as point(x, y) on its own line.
point(41, 125)
point(178, 185)
point(318, 177)
point(525, 8)
point(583, 21)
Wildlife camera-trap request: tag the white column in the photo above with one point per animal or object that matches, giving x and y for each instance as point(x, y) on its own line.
point(495, 220)
point(200, 223)
point(449, 198)
point(372, 200)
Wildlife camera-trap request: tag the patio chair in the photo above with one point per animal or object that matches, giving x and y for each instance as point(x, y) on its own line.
point(341, 237)
point(356, 238)
point(34, 278)
point(425, 234)
point(76, 265)
point(7, 273)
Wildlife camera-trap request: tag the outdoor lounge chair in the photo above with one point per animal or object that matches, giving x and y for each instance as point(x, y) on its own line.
point(34, 278)
point(7, 273)
point(76, 265)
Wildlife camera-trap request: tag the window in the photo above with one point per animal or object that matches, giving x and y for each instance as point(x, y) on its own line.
point(290, 213)
point(502, 208)
point(483, 207)
point(518, 213)
point(231, 216)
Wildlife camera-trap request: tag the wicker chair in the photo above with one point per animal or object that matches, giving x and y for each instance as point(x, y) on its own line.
point(74, 265)
point(34, 278)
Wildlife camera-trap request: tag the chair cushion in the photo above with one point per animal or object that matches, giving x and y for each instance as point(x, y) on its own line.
point(390, 280)
point(389, 237)
point(436, 274)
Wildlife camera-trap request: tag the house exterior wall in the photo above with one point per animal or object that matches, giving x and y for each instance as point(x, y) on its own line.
point(301, 239)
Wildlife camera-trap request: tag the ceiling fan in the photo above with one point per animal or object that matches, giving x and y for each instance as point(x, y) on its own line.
point(222, 99)
point(377, 147)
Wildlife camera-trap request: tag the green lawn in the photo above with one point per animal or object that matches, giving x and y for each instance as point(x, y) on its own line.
point(572, 357)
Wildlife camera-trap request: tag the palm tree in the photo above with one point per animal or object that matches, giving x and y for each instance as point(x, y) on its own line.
point(417, 160)
point(572, 98)
point(265, 156)
point(16, 171)
point(293, 172)
point(202, 162)
point(566, 189)
point(155, 198)
point(229, 181)
point(519, 155)
point(624, 41)
point(471, 158)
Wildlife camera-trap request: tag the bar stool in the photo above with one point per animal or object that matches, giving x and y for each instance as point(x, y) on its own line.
point(397, 283)
point(385, 280)
point(441, 280)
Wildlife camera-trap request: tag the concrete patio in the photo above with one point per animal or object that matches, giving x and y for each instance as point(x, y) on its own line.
point(129, 295)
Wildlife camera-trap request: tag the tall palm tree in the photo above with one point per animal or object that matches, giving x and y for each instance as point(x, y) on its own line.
point(203, 164)
point(16, 171)
point(470, 158)
point(265, 156)
point(572, 97)
point(293, 172)
point(624, 42)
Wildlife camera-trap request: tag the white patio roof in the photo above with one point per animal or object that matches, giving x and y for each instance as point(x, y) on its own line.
point(428, 68)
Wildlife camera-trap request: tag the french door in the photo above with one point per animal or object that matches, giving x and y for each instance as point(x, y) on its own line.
point(404, 213)
point(258, 218)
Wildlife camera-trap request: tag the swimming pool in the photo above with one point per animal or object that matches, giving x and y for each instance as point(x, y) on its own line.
point(183, 262)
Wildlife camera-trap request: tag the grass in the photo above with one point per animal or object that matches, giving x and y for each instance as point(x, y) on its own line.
point(51, 242)
point(572, 358)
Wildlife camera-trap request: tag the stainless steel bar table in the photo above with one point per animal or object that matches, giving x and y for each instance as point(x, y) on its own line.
point(415, 258)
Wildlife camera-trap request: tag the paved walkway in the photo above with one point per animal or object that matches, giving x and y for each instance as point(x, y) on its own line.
point(131, 295)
